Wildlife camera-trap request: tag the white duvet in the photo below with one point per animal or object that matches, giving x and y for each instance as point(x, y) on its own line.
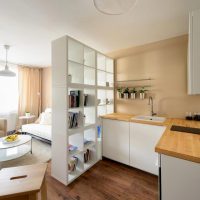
point(40, 130)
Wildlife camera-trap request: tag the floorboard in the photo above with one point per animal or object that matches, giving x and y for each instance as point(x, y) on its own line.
point(107, 180)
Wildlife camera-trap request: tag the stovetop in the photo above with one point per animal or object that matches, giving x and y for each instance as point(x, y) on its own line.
point(185, 129)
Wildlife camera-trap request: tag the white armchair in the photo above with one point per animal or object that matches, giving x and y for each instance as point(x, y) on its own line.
point(3, 127)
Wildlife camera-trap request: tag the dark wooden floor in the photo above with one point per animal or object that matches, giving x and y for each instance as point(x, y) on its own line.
point(107, 180)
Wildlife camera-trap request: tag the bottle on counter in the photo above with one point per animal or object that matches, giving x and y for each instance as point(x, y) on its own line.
point(197, 116)
point(189, 116)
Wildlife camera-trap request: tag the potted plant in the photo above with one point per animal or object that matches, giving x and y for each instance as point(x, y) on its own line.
point(126, 93)
point(133, 92)
point(142, 92)
point(27, 114)
point(120, 92)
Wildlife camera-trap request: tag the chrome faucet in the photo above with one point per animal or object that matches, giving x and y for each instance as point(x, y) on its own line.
point(151, 104)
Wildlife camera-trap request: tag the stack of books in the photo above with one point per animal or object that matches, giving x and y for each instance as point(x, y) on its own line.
point(74, 99)
point(87, 155)
point(87, 142)
point(72, 148)
point(74, 119)
point(72, 164)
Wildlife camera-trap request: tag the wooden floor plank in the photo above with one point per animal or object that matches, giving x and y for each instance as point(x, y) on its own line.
point(107, 180)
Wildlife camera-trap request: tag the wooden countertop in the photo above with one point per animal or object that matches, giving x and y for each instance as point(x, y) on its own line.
point(172, 143)
point(118, 116)
point(178, 144)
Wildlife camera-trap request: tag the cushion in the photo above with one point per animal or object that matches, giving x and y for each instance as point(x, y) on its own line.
point(45, 118)
point(47, 110)
point(38, 119)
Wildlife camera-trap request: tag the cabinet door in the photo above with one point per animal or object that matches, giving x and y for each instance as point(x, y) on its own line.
point(116, 140)
point(143, 139)
point(193, 53)
point(180, 179)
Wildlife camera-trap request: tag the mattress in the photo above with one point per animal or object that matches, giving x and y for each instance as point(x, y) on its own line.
point(40, 130)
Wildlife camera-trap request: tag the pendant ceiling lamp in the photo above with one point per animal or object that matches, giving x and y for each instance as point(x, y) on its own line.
point(114, 7)
point(6, 71)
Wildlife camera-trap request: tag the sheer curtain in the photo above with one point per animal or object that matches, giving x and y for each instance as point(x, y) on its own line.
point(9, 99)
point(29, 90)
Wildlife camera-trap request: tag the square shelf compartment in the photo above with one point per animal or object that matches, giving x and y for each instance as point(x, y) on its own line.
point(75, 73)
point(89, 57)
point(75, 99)
point(109, 109)
point(89, 153)
point(90, 114)
point(89, 97)
point(90, 137)
point(109, 79)
point(78, 169)
point(76, 140)
point(75, 51)
point(109, 65)
point(110, 96)
point(89, 75)
point(101, 97)
point(101, 62)
point(101, 110)
point(101, 78)
point(92, 159)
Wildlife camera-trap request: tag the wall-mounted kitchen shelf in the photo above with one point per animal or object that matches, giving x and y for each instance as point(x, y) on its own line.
point(137, 86)
point(134, 83)
point(134, 80)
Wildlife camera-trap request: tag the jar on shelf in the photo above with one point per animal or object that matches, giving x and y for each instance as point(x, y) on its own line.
point(120, 93)
point(142, 92)
point(133, 92)
point(126, 93)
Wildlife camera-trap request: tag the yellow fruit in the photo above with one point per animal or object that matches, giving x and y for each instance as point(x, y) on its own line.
point(11, 138)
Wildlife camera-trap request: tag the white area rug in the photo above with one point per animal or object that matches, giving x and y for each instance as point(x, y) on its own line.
point(41, 153)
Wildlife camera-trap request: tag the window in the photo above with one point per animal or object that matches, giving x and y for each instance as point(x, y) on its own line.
point(9, 93)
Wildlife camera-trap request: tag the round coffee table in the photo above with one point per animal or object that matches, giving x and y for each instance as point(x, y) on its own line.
point(16, 149)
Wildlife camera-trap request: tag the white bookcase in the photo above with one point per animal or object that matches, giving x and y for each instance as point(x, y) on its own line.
point(77, 67)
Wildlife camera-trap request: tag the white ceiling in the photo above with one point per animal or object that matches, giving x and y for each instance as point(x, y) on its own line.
point(31, 25)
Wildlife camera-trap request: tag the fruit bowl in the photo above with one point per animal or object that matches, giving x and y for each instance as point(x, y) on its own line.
point(11, 138)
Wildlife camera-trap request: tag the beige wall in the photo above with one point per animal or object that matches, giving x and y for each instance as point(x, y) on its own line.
point(46, 88)
point(166, 63)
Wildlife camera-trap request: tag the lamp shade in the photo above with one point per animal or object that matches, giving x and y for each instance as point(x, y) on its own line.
point(114, 7)
point(7, 72)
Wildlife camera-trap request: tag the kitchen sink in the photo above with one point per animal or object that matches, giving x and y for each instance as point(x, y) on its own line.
point(149, 118)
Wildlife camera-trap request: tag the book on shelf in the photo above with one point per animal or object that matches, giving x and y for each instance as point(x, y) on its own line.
point(87, 155)
point(74, 99)
point(85, 100)
point(75, 119)
point(72, 148)
point(87, 142)
point(72, 163)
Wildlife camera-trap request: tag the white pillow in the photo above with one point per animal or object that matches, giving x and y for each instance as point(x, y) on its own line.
point(47, 110)
point(45, 118)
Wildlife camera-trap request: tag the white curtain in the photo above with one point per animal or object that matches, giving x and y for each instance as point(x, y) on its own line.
point(9, 98)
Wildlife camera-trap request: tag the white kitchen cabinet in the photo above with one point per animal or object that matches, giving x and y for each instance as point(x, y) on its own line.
point(116, 140)
point(143, 139)
point(180, 179)
point(193, 53)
